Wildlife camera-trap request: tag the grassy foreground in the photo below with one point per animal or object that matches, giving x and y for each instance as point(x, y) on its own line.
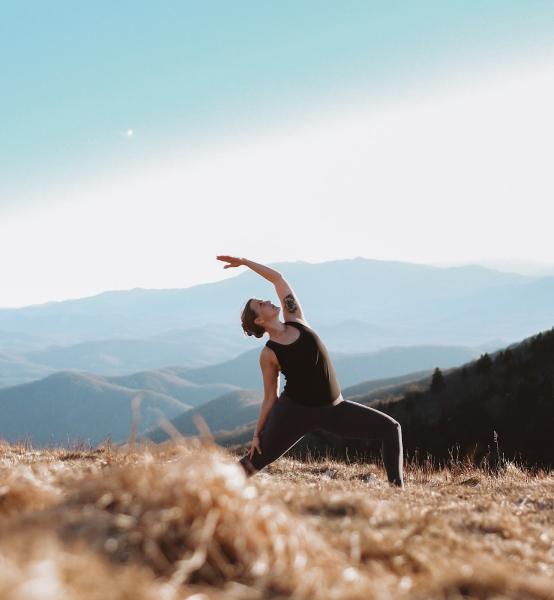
point(180, 520)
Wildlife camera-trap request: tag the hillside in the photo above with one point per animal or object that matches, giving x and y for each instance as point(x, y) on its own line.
point(179, 521)
point(227, 412)
point(510, 391)
point(68, 406)
point(167, 382)
point(365, 387)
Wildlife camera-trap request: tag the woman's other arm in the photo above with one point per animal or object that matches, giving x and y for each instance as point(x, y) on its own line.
point(270, 374)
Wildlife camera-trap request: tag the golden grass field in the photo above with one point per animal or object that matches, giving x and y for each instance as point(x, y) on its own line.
point(180, 520)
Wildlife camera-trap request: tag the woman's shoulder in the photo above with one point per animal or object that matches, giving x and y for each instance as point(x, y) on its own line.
point(302, 322)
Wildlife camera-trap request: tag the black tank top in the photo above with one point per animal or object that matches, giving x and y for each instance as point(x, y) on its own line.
point(307, 367)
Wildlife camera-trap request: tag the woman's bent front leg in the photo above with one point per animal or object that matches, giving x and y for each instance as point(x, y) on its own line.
point(283, 429)
point(351, 419)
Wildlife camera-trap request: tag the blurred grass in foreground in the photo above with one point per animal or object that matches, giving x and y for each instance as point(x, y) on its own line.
point(180, 520)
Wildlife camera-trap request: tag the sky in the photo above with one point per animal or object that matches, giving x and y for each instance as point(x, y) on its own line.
point(141, 139)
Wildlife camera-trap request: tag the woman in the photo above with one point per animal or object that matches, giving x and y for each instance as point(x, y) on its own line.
point(311, 398)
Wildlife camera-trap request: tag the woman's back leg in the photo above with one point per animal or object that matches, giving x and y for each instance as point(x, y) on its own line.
point(354, 420)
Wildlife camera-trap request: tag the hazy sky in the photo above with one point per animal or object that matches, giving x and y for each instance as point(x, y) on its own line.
point(142, 139)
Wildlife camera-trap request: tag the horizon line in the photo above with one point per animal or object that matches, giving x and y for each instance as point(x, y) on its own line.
point(439, 265)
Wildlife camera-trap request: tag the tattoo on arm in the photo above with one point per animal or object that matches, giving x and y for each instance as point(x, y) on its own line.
point(290, 303)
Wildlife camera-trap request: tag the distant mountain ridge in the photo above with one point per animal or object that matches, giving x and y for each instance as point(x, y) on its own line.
point(16, 369)
point(194, 347)
point(375, 288)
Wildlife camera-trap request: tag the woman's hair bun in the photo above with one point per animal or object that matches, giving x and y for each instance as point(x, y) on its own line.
point(248, 317)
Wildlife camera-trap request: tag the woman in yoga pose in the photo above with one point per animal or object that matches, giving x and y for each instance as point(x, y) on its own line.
point(311, 398)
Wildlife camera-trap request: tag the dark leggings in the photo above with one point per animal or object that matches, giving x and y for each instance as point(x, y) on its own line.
point(288, 422)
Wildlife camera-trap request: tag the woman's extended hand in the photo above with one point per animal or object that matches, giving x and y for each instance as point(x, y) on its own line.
point(234, 262)
point(255, 446)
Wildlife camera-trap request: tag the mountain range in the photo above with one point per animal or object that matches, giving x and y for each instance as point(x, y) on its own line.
point(37, 409)
point(64, 364)
point(370, 305)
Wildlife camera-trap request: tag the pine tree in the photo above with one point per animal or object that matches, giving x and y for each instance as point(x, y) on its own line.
point(437, 381)
point(484, 363)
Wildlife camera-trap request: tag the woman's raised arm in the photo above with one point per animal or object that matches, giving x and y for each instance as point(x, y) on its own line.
point(266, 272)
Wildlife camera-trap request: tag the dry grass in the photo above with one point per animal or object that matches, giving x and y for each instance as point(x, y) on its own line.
point(180, 520)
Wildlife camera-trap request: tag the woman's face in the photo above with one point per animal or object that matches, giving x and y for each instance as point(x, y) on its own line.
point(265, 309)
